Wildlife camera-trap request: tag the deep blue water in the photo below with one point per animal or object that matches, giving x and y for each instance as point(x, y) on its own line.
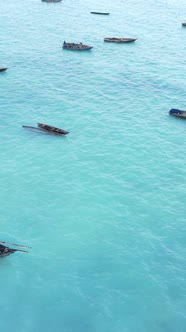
point(104, 207)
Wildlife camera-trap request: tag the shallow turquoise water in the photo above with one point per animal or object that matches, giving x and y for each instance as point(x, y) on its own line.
point(104, 207)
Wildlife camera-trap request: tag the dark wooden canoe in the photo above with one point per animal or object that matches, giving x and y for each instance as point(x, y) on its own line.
point(46, 129)
point(6, 251)
point(100, 13)
point(3, 69)
point(51, 0)
point(53, 130)
point(178, 113)
point(120, 40)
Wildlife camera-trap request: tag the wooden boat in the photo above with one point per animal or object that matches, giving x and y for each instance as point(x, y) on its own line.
point(51, 0)
point(46, 129)
point(100, 13)
point(120, 40)
point(76, 47)
point(53, 130)
point(178, 113)
point(6, 251)
point(3, 69)
point(183, 24)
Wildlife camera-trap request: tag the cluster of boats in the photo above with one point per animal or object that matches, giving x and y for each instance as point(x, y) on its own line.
point(83, 47)
point(80, 47)
point(41, 127)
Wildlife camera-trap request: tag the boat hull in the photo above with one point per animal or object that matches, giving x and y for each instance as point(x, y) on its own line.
point(52, 130)
point(6, 251)
point(51, 0)
point(99, 13)
point(178, 113)
point(120, 40)
point(76, 47)
point(46, 130)
point(3, 69)
point(6, 254)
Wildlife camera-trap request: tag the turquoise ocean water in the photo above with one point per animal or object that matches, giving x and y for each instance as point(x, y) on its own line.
point(104, 207)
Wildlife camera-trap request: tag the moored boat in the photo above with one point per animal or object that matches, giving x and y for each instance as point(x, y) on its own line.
point(44, 128)
point(6, 251)
point(178, 113)
point(51, 0)
point(51, 129)
point(100, 13)
point(183, 24)
point(120, 40)
point(76, 47)
point(3, 69)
